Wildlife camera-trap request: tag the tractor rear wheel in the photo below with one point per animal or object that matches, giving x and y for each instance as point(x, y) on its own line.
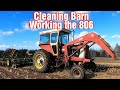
point(77, 72)
point(41, 61)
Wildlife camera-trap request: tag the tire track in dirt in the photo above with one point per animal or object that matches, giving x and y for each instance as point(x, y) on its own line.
point(106, 70)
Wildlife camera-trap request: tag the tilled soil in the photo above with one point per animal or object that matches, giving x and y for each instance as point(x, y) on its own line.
point(30, 73)
point(106, 69)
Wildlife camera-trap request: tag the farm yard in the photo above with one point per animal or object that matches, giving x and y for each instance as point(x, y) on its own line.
point(66, 51)
point(107, 68)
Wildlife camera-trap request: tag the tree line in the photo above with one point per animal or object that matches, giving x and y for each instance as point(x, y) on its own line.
point(102, 53)
point(21, 53)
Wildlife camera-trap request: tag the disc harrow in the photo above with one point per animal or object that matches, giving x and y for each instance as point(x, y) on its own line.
point(16, 58)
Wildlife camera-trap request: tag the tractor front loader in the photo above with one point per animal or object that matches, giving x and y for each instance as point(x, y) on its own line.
point(57, 51)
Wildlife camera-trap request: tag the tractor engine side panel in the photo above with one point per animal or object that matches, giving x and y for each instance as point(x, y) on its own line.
point(48, 48)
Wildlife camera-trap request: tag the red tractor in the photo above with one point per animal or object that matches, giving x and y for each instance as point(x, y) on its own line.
point(57, 51)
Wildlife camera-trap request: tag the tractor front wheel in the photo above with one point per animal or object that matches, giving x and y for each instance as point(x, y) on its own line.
point(41, 61)
point(77, 72)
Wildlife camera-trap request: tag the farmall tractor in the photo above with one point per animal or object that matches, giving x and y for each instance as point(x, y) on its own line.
point(57, 51)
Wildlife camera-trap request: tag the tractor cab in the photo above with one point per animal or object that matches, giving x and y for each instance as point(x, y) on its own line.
point(53, 40)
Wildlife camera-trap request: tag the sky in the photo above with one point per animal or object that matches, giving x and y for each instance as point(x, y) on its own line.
point(15, 33)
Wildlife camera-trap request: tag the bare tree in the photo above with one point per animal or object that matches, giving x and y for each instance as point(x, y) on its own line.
point(117, 51)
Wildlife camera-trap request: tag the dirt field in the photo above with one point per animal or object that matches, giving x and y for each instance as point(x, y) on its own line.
point(106, 69)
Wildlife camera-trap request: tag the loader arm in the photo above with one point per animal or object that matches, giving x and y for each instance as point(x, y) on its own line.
point(88, 38)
